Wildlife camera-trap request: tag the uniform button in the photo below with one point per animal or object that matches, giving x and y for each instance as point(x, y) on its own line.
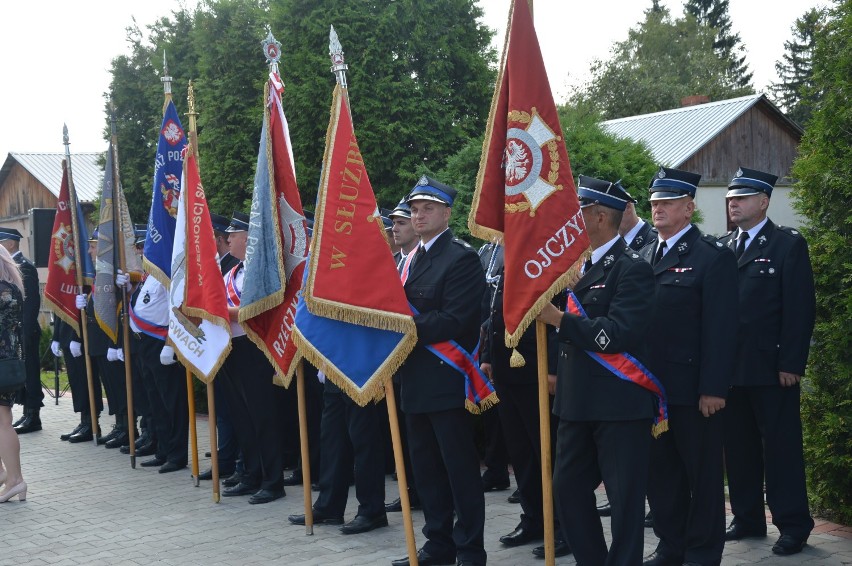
point(677, 280)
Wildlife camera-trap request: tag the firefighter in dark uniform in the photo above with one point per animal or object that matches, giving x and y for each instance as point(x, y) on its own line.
point(763, 435)
point(692, 353)
point(68, 344)
point(256, 403)
point(633, 230)
point(31, 396)
point(445, 284)
point(605, 419)
point(518, 410)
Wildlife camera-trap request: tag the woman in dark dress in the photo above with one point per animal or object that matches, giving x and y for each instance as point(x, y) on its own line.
point(11, 322)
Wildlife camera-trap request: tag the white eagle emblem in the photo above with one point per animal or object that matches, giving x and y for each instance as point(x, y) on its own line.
point(524, 159)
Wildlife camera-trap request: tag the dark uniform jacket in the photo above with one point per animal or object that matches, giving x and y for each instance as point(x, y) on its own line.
point(692, 345)
point(64, 333)
point(99, 342)
point(493, 350)
point(617, 294)
point(777, 306)
point(227, 262)
point(446, 286)
point(646, 234)
point(32, 298)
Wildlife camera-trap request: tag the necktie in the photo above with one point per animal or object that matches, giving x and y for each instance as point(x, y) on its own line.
point(587, 266)
point(741, 244)
point(421, 251)
point(661, 248)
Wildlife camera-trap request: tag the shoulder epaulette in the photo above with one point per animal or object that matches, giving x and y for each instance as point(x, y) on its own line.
point(790, 231)
point(463, 243)
point(632, 254)
point(714, 242)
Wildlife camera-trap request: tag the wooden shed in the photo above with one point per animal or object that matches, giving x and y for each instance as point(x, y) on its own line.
point(717, 138)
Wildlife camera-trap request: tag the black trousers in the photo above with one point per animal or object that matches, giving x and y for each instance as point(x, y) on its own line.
point(519, 416)
point(168, 401)
point(350, 434)
point(617, 453)
point(446, 472)
point(79, 384)
point(256, 405)
point(496, 458)
point(115, 385)
point(686, 487)
point(32, 396)
point(763, 440)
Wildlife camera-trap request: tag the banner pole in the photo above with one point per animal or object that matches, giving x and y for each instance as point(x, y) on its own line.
point(546, 457)
point(402, 481)
point(305, 452)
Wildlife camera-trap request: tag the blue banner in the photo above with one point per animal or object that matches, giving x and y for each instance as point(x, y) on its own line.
point(168, 168)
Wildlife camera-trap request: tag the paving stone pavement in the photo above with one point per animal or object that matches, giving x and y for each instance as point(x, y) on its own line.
point(86, 505)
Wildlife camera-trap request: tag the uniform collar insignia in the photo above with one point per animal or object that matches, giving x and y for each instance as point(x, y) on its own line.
point(681, 247)
point(608, 260)
point(719, 244)
point(639, 240)
point(762, 239)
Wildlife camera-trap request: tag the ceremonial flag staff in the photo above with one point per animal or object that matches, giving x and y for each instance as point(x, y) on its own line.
point(211, 406)
point(72, 191)
point(120, 214)
point(339, 69)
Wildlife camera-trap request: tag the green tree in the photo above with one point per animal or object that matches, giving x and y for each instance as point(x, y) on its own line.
point(795, 69)
point(420, 81)
point(823, 194)
point(661, 61)
point(714, 14)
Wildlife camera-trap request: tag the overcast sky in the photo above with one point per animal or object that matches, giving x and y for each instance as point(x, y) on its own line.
point(55, 54)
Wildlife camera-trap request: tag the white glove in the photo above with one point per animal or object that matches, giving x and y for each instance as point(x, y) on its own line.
point(119, 353)
point(167, 356)
point(122, 279)
point(76, 349)
point(80, 302)
point(54, 347)
point(111, 355)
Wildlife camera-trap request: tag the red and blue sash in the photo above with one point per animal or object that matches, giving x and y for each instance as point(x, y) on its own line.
point(233, 294)
point(626, 367)
point(146, 327)
point(479, 392)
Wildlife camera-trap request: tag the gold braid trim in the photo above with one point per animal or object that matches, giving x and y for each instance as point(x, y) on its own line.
point(659, 428)
point(373, 389)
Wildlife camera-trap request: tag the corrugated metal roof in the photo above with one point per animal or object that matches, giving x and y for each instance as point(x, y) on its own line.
point(673, 136)
point(47, 168)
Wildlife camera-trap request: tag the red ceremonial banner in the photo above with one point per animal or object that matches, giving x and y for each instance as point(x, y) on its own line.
point(61, 287)
point(525, 193)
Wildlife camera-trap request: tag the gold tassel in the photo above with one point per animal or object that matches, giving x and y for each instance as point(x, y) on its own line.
point(659, 428)
point(517, 360)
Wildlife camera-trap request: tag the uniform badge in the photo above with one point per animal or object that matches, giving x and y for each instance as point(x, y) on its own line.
point(718, 244)
point(681, 247)
point(603, 286)
point(771, 270)
point(762, 239)
point(608, 260)
point(634, 255)
point(639, 240)
point(661, 174)
point(147, 298)
point(794, 232)
point(423, 181)
point(602, 340)
point(679, 269)
point(739, 172)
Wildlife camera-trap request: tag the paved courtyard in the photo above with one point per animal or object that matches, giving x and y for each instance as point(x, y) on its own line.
point(86, 505)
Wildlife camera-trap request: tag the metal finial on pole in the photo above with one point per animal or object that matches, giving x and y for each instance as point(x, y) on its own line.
point(338, 64)
point(166, 79)
point(193, 117)
point(272, 51)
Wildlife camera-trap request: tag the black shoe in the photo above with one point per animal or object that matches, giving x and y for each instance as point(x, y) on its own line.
point(208, 475)
point(143, 439)
point(232, 480)
point(240, 489)
point(737, 531)
point(294, 478)
point(426, 559)
point(266, 495)
point(120, 439)
point(396, 505)
point(154, 462)
point(605, 510)
point(68, 435)
point(171, 467)
point(314, 486)
point(649, 521)
point(82, 435)
point(788, 544)
point(20, 420)
point(522, 535)
point(104, 439)
point(148, 450)
point(30, 423)
point(515, 497)
point(489, 484)
point(363, 524)
point(658, 559)
point(561, 548)
point(320, 518)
